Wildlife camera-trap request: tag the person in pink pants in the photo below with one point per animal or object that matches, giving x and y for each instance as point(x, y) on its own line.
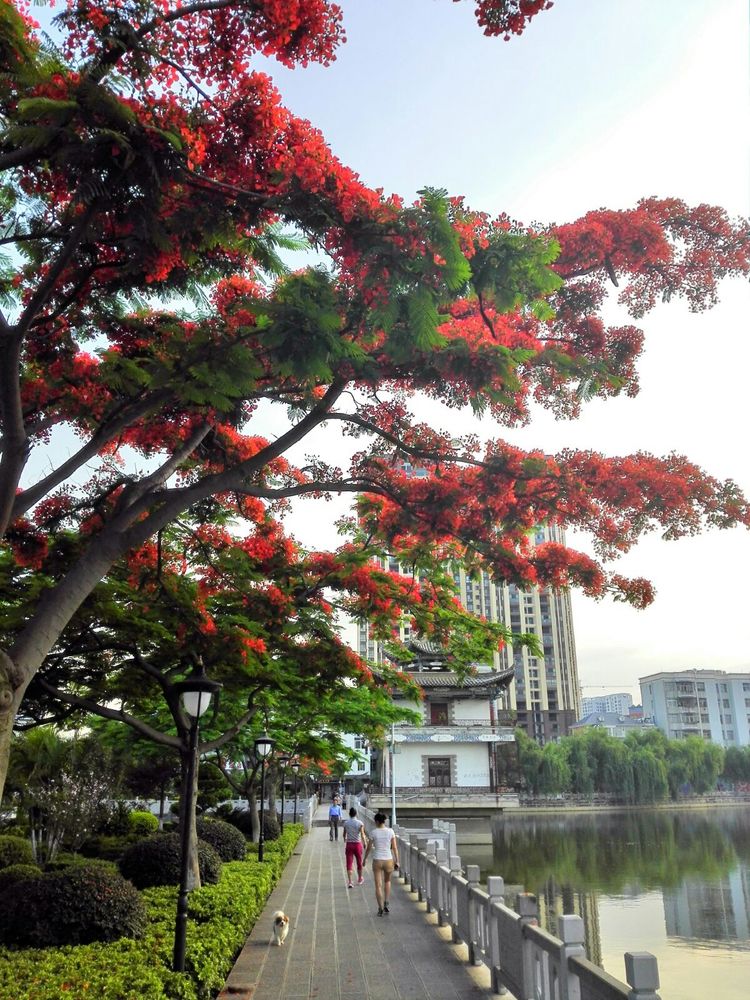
point(355, 840)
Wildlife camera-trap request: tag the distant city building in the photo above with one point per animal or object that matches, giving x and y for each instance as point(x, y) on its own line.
point(545, 693)
point(712, 704)
point(619, 702)
point(614, 724)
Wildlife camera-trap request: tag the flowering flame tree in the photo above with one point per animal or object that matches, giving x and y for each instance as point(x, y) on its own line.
point(144, 162)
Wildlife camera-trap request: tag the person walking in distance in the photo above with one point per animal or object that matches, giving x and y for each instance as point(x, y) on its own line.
point(384, 861)
point(355, 841)
point(334, 815)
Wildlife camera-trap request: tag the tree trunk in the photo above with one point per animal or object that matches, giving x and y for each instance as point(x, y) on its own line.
point(162, 800)
point(271, 792)
point(54, 610)
point(252, 805)
point(10, 702)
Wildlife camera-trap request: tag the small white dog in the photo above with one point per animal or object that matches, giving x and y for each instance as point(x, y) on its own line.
point(280, 927)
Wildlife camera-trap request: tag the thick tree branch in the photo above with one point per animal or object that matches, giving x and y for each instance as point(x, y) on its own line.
point(47, 286)
point(118, 715)
point(180, 12)
point(15, 443)
point(159, 476)
point(233, 730)
point(106, 432)
point(168, 504)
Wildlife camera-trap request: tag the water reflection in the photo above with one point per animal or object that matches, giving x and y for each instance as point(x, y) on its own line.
point(672, 882)
point(615, 851)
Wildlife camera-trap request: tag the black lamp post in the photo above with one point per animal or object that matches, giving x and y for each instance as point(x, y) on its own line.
point(295, 768)
point(283, 761)
point(263, 748)
point(196, 692)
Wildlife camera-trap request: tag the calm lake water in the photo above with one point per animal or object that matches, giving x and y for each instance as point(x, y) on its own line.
point(673, 883)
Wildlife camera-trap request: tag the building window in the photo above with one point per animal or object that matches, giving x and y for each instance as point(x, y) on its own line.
point(438, 713)
point(439, 772)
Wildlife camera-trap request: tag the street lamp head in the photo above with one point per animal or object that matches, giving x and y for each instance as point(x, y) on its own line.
point(295, 765)
point(196, 692)
point(263, 745)
point(284, 759)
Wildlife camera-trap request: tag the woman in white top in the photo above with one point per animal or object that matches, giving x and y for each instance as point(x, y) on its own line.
point(384, 850)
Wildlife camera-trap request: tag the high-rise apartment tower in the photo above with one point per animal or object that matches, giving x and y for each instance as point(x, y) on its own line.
point(545, 692)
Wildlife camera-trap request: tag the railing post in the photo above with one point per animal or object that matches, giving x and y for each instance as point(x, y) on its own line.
point(403, 855)
point(570, 930)
point(472, 877)
point(496, 892)
point(455, 864)
point(430, 873)
point(642, 974)
point(441, 857)
point(451, 837)
point(414, 870)
point(528, 910)
point(421, 849)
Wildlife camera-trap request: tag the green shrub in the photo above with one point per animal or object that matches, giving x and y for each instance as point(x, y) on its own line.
point(156, 861)
point(15, 830)
point(82, 904)
point(221, 916)
point(242, 819)
point(142, 823)
point(225, 839)
point(14, 874)
point(271, 828)
point(114, 820)
point(15, 851)
point(106, 848)
point(64, 861)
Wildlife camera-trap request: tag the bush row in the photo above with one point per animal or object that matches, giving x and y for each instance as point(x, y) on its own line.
point(221, 916)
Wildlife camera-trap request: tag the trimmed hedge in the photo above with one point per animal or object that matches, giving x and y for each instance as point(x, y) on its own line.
point(242, 819)
point(156, 861)
point(106, 847)
point(142, 823)
point(15, 851)
point(14, 874)
point(271, 827)
point(221, 916)
point(225, 839)
point(65, 861)
point(81, 904)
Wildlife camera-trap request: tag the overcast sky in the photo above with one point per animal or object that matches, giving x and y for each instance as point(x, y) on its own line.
point(597, 104)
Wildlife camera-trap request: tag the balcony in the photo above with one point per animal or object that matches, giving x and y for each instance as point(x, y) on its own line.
point(502, 718)
point(460, 731)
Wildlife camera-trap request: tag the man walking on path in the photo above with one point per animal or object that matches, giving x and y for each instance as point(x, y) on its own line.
point(334, 815)
point(355, 840)
point(384, 849)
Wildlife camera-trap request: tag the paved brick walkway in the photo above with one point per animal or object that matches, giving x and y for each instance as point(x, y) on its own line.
point(339, 949)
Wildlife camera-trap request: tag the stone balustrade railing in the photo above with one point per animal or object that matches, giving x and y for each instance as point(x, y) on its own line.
point(523, 959)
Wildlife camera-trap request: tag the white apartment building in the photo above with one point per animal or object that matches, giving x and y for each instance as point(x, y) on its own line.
point(545, 693)
point(619, 702)
point(712, 704)
point(613, 724)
